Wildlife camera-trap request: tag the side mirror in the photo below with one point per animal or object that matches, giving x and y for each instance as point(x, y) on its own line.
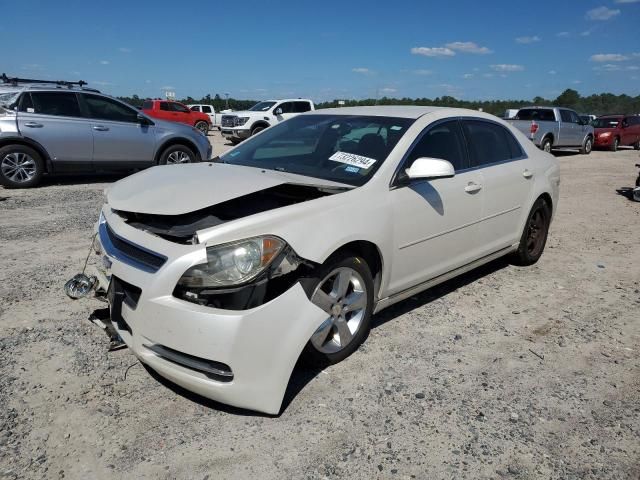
point(142, 120)
point(430, 168)
point(277, 112)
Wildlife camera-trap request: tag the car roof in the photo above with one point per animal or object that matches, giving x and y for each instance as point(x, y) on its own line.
point(286, 100)
point(613, 115)
point(401, 111)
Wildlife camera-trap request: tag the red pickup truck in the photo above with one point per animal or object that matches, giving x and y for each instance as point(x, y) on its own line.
point(177, 112)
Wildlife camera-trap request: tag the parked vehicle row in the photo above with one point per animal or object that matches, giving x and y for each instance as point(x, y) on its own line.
point(64, 128)
point(292, 241)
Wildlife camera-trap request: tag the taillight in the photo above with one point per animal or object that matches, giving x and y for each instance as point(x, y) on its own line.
point(534, 128)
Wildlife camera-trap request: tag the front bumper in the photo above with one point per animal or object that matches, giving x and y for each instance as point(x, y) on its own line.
point(603, 141)
point(260, 346)
point(235, 133)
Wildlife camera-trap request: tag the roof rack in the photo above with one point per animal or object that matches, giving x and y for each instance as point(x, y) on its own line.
point(14, 81)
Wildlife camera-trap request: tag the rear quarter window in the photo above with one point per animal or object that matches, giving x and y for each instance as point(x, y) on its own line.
point(538, 114)
point(147, 105)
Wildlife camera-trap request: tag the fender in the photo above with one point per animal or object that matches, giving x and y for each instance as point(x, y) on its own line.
point(259, 123)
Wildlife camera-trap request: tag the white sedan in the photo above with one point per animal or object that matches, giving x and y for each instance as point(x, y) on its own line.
point(220, 275)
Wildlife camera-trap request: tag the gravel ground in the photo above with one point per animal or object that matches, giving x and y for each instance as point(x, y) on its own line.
point(504, 373)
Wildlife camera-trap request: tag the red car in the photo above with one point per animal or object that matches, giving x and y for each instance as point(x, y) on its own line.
point(177, 112)
point(613, 131)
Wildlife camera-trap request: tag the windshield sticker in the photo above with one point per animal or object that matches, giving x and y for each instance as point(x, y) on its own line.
point(353, 159)
point(396, 127)
point(352, 169)
point(233, 154)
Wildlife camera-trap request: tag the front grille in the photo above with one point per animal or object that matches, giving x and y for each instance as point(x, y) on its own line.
point(128, 252)
point(212, 369)
point(227, 120)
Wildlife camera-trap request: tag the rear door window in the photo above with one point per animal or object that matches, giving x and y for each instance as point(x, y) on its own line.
point(565, 116)
point(60, 104)
point(177, 107)
point(287, 107)
point(195, 108)
point(489, 143)
point(206, 109)
point(147, 105)
point(301, 107)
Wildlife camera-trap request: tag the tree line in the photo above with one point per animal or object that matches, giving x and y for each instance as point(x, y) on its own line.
point(596, 104)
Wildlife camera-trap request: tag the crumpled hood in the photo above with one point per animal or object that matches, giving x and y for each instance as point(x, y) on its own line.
point(178, 189)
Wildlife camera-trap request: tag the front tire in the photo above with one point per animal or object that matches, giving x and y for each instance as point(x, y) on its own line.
point(636, 146)
point(587, 146)
point(343, 288)
point(615, 144)
point(256, 130)
point(534, 236)
point(20, 166)
point(177, 154)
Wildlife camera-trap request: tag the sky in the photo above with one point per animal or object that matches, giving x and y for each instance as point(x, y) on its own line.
point(326, 49)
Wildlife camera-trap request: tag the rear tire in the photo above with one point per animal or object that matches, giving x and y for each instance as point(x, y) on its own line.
point(20, 166)
point(534, 236)
point(587, 146)
point(177, 154)
point(546, 145)
point(203, 127)
point(636, 146)
point(343, 288)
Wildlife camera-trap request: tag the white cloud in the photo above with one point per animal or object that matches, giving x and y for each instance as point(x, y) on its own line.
point(562, 34)
point(101, 83)
point(468, 75)
point(488, 75)
point(552, 72)
point(388, 90)
point(611, 67)
point(602, 13)
point(577, 82)
point(167, 87)
point(632, 68)
point(125, 50)
point(433, 51)
point(104, 62)
point(362, 70)
point(627, 1)
point(527, 40)
point(608, 57)
point(423, 72)
point(468, 47)
point(505, 67)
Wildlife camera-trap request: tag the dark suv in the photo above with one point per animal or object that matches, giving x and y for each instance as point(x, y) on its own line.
point(63, 127)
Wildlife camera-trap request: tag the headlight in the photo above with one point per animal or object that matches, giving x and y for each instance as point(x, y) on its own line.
point(233, 263)
point(239, 121)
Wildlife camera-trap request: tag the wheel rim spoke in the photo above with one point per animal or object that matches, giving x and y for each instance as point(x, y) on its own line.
point(319, 338)
point(323, 300)
point(343, 332)
point(356, 301)
point(341, 284)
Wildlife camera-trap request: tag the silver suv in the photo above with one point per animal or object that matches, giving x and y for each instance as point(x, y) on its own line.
point(63, 127)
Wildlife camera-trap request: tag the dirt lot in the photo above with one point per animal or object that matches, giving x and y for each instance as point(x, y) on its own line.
point(505, 373)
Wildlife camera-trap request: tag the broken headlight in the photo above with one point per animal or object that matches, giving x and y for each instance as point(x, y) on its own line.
point(233, 263)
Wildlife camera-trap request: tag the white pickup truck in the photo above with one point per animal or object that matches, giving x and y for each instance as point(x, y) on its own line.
point(216, 117)
point(241, 125)
point(552, 127)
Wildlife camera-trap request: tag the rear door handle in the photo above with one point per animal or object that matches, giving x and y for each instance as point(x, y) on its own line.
point(472, 187)
point(101, 128)
point(527, 174)
point(33, 125)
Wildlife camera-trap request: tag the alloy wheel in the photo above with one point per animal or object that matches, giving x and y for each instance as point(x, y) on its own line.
point(178, 157)
point(18, 167)
point(342, 295)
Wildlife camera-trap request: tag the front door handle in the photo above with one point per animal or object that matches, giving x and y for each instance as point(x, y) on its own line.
point(527, 173)
point(472, 187)
point(33, 125)
point(101, 128)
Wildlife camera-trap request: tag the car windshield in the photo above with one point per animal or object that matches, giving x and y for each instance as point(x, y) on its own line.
point(262, 106)
point(340, 148)
point(606, 122)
